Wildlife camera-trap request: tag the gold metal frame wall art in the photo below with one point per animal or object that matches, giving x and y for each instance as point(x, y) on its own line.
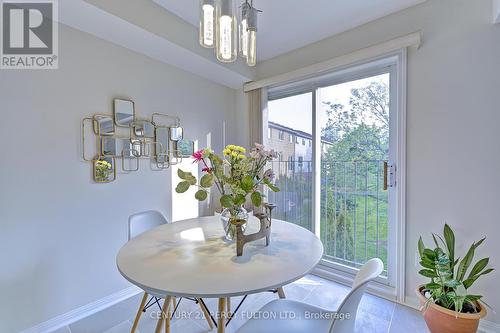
point(128, 138)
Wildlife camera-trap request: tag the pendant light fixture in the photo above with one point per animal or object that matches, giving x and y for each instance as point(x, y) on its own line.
point(248, 33)
point(225, 31)
point(219, 28)
point(207, 23)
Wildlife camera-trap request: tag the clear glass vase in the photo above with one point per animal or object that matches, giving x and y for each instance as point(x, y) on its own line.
point(227, 215)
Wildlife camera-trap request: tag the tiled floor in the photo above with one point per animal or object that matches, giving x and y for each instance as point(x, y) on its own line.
point(375, 314)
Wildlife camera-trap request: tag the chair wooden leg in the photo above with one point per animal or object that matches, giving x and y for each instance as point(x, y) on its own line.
point(174, 302)
point(206, 314)
point(139, 313)
point(165, 315)
point(281, 293)
point(221, 316)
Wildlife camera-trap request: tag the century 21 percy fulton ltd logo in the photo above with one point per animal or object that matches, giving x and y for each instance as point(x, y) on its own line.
point(29, 34)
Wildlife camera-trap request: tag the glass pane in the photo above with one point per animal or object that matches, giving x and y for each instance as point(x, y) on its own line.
point(354, 124)
point(290, 122)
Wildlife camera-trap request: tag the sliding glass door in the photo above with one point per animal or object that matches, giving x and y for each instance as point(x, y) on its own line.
point(354, 121)
point(344, 127)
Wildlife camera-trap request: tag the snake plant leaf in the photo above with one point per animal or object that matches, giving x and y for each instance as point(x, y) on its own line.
point(247, 183)
point(226, 201)
point(182, 187)
point(435, 241)
point(207, 181)
point(201, 195)
point(256, 199)
point(476, 245)
point(421, 247)
point(478, 267)
point(465, 263)
point(470, 281)
point(449, 238)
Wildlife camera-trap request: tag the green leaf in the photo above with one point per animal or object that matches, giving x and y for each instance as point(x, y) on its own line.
point(427, 264)
point(429, 254)
point(470, 281)
point(201, 195)
point(465, 263)
point(247, 184)
point(181, 174)
point(421, 247)
point(449, 237)
point(432, 285)
point(182, 187)
point(256, 199)
point(478, 267)
point(207, 181)
point(239, 200)
point(271, 186)
point(191, 179)
point(428, 273)
point(226, 201)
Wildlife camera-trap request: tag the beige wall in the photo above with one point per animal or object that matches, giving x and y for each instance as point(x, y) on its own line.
point(453, 122)
point(60, 232)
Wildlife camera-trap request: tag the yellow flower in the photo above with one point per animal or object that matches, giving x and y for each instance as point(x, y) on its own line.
point(242, 157)
point(227, 151)
point(234, 154)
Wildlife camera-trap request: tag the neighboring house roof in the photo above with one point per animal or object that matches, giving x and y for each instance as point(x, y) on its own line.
point(296, 132)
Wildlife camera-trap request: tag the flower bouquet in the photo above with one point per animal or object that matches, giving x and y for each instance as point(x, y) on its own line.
point(237, 175)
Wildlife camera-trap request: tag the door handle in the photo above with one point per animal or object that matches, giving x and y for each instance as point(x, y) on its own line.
point(386, 169)
point(389, 175)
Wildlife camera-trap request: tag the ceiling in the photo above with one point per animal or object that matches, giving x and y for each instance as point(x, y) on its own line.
point(286, 25)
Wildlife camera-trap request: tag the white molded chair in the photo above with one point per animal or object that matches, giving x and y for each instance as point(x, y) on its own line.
point(286, 316)
point(138, 224)
point(144, 221)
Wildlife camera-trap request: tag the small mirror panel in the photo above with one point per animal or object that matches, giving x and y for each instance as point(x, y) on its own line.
point(104, 170)
point(176, 133)
point(117, 147)
point(144, 129)
point(124, 112)
point(103, 125)
point(184, 148)
point(162, 144)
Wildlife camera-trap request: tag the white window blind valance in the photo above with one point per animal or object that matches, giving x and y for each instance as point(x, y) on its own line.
point(366, 54)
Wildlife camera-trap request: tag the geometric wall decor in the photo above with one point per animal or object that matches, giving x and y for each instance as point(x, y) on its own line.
point(159, 139)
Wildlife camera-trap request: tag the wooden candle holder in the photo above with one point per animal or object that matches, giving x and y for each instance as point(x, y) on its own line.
point(264, 232)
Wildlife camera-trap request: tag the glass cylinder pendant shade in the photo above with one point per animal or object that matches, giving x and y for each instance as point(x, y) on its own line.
point(207, 23)
point(248, 34)
point(225, 31)
point(243, 30)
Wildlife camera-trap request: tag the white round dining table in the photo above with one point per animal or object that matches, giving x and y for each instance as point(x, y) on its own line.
point(191, 258)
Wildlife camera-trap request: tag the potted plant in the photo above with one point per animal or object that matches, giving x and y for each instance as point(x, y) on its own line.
point(447, 305)
point(236, 175)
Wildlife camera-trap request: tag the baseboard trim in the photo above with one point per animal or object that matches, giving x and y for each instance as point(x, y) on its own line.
point(485, 326)
point(83, 311)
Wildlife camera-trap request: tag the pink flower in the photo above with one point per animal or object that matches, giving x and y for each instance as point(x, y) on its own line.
point(198, 156)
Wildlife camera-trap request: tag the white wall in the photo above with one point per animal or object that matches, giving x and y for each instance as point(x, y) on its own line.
point(453, 122)
point(60, 232)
